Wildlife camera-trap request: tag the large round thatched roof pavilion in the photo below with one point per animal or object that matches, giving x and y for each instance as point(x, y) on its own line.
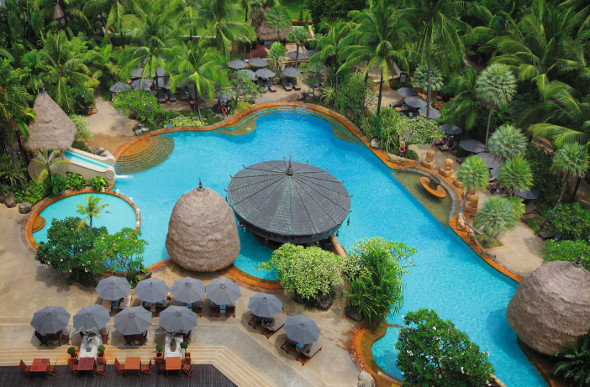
point(551, 307)
point(202, 232)
point(290, 202)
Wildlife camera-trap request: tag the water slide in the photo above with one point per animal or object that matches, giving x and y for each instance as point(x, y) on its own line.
point(86, 164)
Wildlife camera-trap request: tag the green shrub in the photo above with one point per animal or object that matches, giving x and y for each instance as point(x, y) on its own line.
point(241, 105)
point(60, 184)
point(34, 192)
point(570, 221)
point(187, 122)
point(83, 132)
point(72, 351)
point(184, 345)
point(545, 181)
point(98, 182)
point(82, 146)
point(159, 348)
point(75, 181)
point(567, 251)
point(100, 349)
point(432, 352)
point(574, 362)
point(8, 176)
point(140, 105)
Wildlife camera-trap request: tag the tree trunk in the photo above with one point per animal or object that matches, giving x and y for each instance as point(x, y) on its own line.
point(336, 93)
point(463, 215)
point(23, 151)
point(297, 56)
point(198, 103)
point(563, 187)
point(190, 34)
point(488, 127)
point(121, 33)
point(576, 188)
point(90, 216)
point(428, 90)
point(379, 103)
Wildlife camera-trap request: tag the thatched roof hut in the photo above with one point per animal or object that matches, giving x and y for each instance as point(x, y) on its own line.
point(265, 32)
point(551, 307)
point(202, 232)
point(52, 128)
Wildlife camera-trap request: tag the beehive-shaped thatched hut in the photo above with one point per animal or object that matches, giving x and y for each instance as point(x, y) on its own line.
point(202, 233)
point(52, 128)
point(551, 307)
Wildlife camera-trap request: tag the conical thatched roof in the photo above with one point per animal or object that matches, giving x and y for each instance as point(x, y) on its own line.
point(266, 32)
point(52, 128)
point(202, 233)
point(551, 307)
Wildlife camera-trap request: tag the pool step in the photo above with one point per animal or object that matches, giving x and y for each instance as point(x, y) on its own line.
point(155, 153)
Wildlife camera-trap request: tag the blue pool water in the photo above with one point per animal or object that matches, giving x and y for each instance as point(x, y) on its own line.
point(84, 160)
point(120, 214)
point(448, 276)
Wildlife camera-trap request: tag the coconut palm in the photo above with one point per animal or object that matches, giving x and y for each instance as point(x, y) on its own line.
point(199, 65)
point(114, 11)
point(495, 87)
point(507, 142)
point(420, 78)
point(188, 11)
point(574, 362)
point(50, 163)
point(474, 174)
point(259, 9)
point(298, 35)
point(515, 173)
point(379, 34)
point(279, 19)
point(92, 209)
point(465, 107)
point(498, 214)
point(276, 55)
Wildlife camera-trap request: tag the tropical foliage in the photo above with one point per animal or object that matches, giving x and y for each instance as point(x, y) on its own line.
point(91, 210)
point(574, 362)
point(568, 251)
point(498, 215)
point(570, 221)
point(507, 142)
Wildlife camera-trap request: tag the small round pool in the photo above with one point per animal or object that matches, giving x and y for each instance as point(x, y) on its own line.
point(120, 213)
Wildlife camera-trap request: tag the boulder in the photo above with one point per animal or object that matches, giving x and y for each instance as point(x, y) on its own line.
point(324, 301)
point(10, 202)
point(365, 380)
point(353, 314)
point(375, 143)
point(24, 207)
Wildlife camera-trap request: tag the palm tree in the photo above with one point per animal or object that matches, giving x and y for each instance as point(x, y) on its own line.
point(50, 163)
point(92, 209)
point(188, 12)
point(508, 142)
point(276, 55)
point(279, 19)
point(259, 9)
point(195, 63)
point(574, 362)
point(498, 214)
point(495, 87)
point(379, 37)
point(515, 173)
point(331, 46)
point(298, 35)
point(114, 9)
point(474, 174)
point(465, 107)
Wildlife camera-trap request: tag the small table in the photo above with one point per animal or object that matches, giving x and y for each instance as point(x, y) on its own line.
point(173, 364)
point(39, 366)
point(132, 364)
point(86, 364)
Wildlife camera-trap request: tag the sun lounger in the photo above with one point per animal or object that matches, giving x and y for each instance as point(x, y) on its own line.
point(296, 86)
point(270, 86)
point(286, 85)
point(288, 345)
point(308, 351)
point(530, 208)
point(172, 98)
point(547, 235)
point(276, 324)
point(254, 321)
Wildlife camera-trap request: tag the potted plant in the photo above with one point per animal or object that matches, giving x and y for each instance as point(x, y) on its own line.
point(100, 350)
point(184, 345)
point(72, 351)
point(159, 349)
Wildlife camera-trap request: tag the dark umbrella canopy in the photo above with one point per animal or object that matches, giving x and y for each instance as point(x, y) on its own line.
point(152, 290)
point(223, 292)
point(188, 290)
point(136, 73)
point(224, 96)
point(133, 320)
point(237, 64)
point(265, 73)
point(473, 146)
point(453, 130)
point(291, 72)
point(434, 113)
point(178, 319)
point(50, 319)
point(258, 62)
point(293, 55)
point(113, 288)
point(118, 87)
point(530, 194)
point(490, 160)
point(406, 92)
point(265, 305)
point(138, 84)
point(160, 72)
point(311, 53)
point(249, 73)
point(494, 172)
point(91, 317)
point(415, 102)
point(302, 329)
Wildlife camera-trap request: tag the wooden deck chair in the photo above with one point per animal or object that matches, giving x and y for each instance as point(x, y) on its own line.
point(101, 366)
point(187, 368)
point(147, 368)
point(51, 369)
point(272, 328)
point(26, 369)
point(73, 365)
point(120, 367)
point(308, 351)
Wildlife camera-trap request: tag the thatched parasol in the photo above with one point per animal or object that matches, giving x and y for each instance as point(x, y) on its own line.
point(266, 32)
point(202, 233)
point(551, 307)
point(52, 128)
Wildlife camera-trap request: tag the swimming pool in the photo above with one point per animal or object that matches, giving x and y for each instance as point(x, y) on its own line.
point(448, 276)
point(120, 213)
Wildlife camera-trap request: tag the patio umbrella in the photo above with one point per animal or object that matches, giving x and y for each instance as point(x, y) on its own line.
point(188, 290)
point(434, 113)
point(291, 72)
point(91, 317)
point(224, 96)
point(50, 319)
point(237, 64)
point(407, 92)
point(223, 292)
point(494, 172)
point(265, 305)
point(311, 53)
point(415, 102)
point(163, 84)
point(145, 85)
point(453, 130)
point(160, 72)
point(249, 73)
point(136, 73)
point(473, 146)
point(178, 319)
point(490, 160)
point(133, 320)
point(530, 194)
point(152, 290)
point(265, 73)
point(302, 329)
point(293, 55)
point(258, 62)
point(113, 288)
point(119, 86)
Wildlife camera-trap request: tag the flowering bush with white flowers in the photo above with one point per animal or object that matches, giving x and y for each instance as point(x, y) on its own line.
point(432, 352)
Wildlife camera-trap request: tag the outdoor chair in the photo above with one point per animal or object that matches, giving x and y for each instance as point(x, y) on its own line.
point(73, 365)
point(160, 365)
point(101, 367)
point(198, 308)
point(214, 310)
point(254, 321)
point(172, 98)
point(41, 338)
point(296, 86)
point(64, 337)
point(272, 328)
point(104, 334)
point(120, 367)
point(286, 85)
point(186, 337)
point(230, 310)
point(288, 345)
point(270, 86)
point(308, 351)
point(50, 369)
point(187, 368)
point(147, 368)
point(547, 235)
point(26, 369)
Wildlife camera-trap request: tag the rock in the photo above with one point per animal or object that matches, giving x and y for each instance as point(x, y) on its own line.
point(324, 301)
point(98, 150)
point(375, 143)
point(298, 299)
point(10, 202)
point(365, 380)
point(2, 198)
point(353, 314)
point(24, 207)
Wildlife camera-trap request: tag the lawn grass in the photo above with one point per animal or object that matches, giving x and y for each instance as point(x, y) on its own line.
point(534, 222)
point(494, 242)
